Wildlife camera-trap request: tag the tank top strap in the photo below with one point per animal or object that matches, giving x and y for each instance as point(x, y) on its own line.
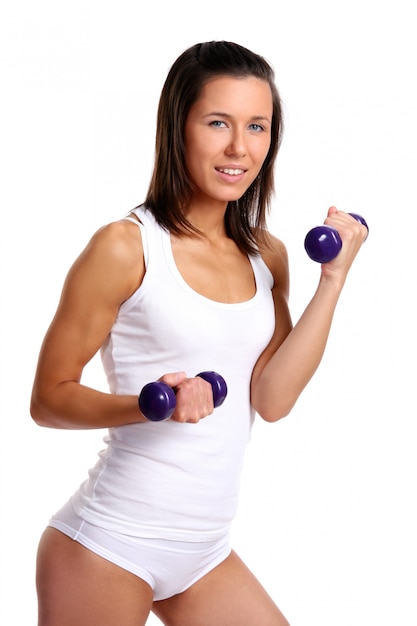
point(140, 220)
point(129, 218)
point(263, 274)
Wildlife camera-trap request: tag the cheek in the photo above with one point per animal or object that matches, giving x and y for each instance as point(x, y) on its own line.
point(195, 151)
point(265, 149)
point(261, 153)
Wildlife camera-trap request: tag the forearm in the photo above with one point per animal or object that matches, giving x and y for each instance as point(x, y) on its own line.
point(277, 388)
point(74, 406)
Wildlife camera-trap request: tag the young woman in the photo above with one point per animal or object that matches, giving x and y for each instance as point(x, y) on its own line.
point(189, 281)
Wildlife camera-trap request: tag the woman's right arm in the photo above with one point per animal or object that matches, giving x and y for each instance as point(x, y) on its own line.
point(106, 273)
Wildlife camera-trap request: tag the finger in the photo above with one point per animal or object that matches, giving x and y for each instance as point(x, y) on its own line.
point(173, 379)
point(194, 400)
point(332, 210)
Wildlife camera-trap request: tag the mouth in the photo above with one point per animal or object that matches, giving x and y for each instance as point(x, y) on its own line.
point(230, 171)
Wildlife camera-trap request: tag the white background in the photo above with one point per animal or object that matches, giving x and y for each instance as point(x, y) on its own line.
point(327, 518)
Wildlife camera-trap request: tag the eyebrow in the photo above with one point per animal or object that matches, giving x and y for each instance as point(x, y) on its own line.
point(257, 118)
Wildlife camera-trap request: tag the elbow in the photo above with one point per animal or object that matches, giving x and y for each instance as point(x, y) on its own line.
point(36, 413)
point(273, 415)
point(273, 410)
point(39, 412)
point(273, 401)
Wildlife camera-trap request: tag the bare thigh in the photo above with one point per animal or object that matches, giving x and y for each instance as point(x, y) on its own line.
point(229, 595)
point(79, 588)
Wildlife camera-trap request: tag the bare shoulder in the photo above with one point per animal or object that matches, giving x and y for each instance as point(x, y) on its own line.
point(120, 240)
point(113, 258)
point(274, 253)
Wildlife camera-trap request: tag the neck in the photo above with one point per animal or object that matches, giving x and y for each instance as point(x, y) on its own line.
point(208, 218)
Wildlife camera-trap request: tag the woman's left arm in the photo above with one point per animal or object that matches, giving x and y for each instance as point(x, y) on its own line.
point(294, 353)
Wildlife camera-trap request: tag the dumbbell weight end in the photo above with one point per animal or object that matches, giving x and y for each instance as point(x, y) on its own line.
point(218, 386)
point(323, 243)
point(157, 401)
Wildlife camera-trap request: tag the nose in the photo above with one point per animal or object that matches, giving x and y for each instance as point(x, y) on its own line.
point(236, 146)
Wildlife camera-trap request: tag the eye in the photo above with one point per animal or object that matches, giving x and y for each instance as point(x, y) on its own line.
point(256, 127)
point(217, 124)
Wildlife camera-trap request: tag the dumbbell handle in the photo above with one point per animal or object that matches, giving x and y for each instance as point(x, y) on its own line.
point(157, 400)
point(323, 243)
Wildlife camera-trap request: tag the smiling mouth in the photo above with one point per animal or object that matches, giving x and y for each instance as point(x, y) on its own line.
point(230, 171)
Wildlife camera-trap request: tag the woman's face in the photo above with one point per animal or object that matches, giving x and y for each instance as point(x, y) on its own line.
point(227, 136)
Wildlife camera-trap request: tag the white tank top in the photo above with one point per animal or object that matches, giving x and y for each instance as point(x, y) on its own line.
point(168, 479)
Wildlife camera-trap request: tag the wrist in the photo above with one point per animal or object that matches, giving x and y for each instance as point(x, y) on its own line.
point(332, 282)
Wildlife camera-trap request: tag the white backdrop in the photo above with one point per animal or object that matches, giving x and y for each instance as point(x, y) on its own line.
point(327, 518)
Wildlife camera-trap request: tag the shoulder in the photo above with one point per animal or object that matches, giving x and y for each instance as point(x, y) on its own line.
point(113, 258)
point(274, 254)
point(118, 241)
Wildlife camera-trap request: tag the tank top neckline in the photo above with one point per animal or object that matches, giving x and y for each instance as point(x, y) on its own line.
point(145, 215)
point(169, 255)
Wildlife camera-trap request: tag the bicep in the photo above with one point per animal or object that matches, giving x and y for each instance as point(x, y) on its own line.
point(283, 326)
point(75, 334)
point(277, 261)
point(104, 275)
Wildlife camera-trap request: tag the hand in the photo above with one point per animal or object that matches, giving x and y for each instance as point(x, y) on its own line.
point(352, 233)
point(194, 397)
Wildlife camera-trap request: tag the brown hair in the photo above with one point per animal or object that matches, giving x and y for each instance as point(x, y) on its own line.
point(171, 189)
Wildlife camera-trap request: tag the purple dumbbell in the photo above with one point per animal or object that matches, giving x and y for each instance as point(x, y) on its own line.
point(323, 243)
point(157, 400)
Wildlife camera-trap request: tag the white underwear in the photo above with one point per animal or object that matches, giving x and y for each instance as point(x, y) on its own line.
point(169, 567)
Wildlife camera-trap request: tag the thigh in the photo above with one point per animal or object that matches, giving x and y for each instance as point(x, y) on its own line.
point(229, 595)
point(79, 588)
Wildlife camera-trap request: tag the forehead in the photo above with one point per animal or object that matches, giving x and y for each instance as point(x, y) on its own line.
point(231, 94)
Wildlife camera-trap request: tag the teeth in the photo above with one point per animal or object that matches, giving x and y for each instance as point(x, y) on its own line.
point(231, 172)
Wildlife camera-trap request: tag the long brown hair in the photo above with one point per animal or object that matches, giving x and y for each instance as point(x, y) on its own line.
point(171, 189)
